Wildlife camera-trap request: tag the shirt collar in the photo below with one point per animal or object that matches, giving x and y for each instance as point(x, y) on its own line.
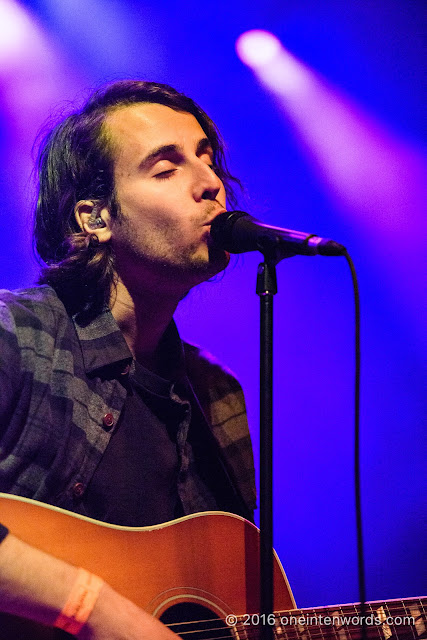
point(102, 343)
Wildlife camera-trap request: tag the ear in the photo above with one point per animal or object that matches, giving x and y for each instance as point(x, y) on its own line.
point(93, 219)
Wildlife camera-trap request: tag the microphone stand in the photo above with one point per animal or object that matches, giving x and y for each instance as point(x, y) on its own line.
point(266, 288)
point(238, 232)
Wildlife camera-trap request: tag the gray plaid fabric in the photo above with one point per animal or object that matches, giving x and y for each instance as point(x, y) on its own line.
point(61, 386)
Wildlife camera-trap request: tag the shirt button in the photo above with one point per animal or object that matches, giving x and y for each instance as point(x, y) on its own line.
point(108, 421)
point(78, 489)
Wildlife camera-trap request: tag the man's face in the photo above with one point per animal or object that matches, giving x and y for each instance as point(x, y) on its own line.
point(168, 194)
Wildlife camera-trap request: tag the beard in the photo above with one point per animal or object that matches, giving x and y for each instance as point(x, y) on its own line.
point(160, 255)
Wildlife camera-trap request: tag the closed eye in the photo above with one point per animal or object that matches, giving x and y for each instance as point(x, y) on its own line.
point(164, 175)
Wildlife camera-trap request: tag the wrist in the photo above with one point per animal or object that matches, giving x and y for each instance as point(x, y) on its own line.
point(80, 603)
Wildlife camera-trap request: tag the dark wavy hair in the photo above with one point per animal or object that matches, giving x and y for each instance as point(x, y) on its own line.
point(76, 162)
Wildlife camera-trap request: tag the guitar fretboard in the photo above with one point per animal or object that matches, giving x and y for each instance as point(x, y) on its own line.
point(394, 619)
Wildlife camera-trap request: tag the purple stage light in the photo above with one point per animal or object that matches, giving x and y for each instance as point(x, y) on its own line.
point(15, 29)
point(34, 75)
point(373, 178)
point(257, 48)
point(275, 67)
point(363, 165)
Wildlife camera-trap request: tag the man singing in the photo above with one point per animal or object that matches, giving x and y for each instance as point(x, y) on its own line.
point(103, 410)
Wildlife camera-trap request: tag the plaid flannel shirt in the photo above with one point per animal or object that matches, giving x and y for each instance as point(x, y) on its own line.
point(62, 391)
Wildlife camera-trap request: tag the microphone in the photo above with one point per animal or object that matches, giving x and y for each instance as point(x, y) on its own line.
point(238, 232)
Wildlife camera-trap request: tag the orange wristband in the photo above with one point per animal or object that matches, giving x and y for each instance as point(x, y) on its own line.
point(80, 603)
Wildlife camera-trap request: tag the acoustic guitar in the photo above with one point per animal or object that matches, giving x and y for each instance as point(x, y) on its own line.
point(199, 574)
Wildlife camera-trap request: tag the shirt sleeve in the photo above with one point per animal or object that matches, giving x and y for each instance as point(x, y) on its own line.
point(3, 532)
point(10, 376)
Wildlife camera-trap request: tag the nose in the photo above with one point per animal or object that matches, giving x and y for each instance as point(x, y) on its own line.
point(207, 185)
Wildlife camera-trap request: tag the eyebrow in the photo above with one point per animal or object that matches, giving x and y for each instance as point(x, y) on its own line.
point(204, 145)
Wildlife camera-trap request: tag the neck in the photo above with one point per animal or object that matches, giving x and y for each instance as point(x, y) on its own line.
point(143, 317)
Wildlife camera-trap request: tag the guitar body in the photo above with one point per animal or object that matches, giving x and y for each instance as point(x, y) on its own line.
point(191, 573)
point(209, 560)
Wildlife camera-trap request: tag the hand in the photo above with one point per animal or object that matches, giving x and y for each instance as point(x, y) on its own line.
point(117, 618)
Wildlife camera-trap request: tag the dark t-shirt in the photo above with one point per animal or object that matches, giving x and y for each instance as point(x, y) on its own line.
point(149, 473)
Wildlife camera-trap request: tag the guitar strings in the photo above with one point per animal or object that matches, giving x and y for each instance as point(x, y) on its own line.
point(304, 632)
point(325, 631)
point(391, 606)
point(329, 632)
point(344, 610)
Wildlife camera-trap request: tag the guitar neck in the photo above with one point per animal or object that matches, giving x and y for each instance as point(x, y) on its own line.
point(394, 619)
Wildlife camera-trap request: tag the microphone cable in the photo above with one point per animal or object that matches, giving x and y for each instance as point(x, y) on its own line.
point(357, 485)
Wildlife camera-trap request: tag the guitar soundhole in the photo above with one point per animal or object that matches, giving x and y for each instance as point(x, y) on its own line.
point(191, 620)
